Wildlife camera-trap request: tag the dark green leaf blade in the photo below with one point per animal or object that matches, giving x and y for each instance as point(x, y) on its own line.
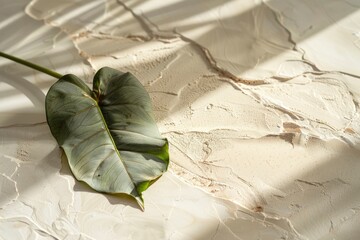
point(108, 135)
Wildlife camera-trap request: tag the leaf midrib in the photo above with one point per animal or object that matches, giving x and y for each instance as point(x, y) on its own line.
point(113, 143)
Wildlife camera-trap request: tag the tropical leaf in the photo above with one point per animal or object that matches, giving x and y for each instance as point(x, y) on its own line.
point(109, 134)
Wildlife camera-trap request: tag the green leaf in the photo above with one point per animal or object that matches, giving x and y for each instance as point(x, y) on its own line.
point(109, 134)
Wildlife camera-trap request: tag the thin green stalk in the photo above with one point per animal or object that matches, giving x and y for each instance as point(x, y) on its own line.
point(31, 65)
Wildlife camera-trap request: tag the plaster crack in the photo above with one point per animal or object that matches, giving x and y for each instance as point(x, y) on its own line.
point(143, 24)
point(205, 53)
point(213, 64)
point(66, 31)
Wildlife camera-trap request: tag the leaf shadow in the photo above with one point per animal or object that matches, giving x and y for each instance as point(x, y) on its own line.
point(115, 199)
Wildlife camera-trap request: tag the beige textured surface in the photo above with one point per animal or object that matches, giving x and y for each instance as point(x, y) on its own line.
point(259, 101)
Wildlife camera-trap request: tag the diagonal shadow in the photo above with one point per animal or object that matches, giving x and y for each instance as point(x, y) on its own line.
point(173, 10)
point(170, 11)
point(322, 202)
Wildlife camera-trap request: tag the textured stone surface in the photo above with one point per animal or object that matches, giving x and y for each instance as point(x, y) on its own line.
point(259, 101)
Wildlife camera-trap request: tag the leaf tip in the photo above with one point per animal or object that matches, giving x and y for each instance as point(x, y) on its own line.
point(140, 202)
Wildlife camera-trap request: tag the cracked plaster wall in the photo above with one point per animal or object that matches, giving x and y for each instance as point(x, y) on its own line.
point(259, 101)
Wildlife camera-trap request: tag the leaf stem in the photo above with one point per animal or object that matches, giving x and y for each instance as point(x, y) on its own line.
point(31, 65)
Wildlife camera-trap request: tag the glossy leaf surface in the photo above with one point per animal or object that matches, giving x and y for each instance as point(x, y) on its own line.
point(109, 135)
